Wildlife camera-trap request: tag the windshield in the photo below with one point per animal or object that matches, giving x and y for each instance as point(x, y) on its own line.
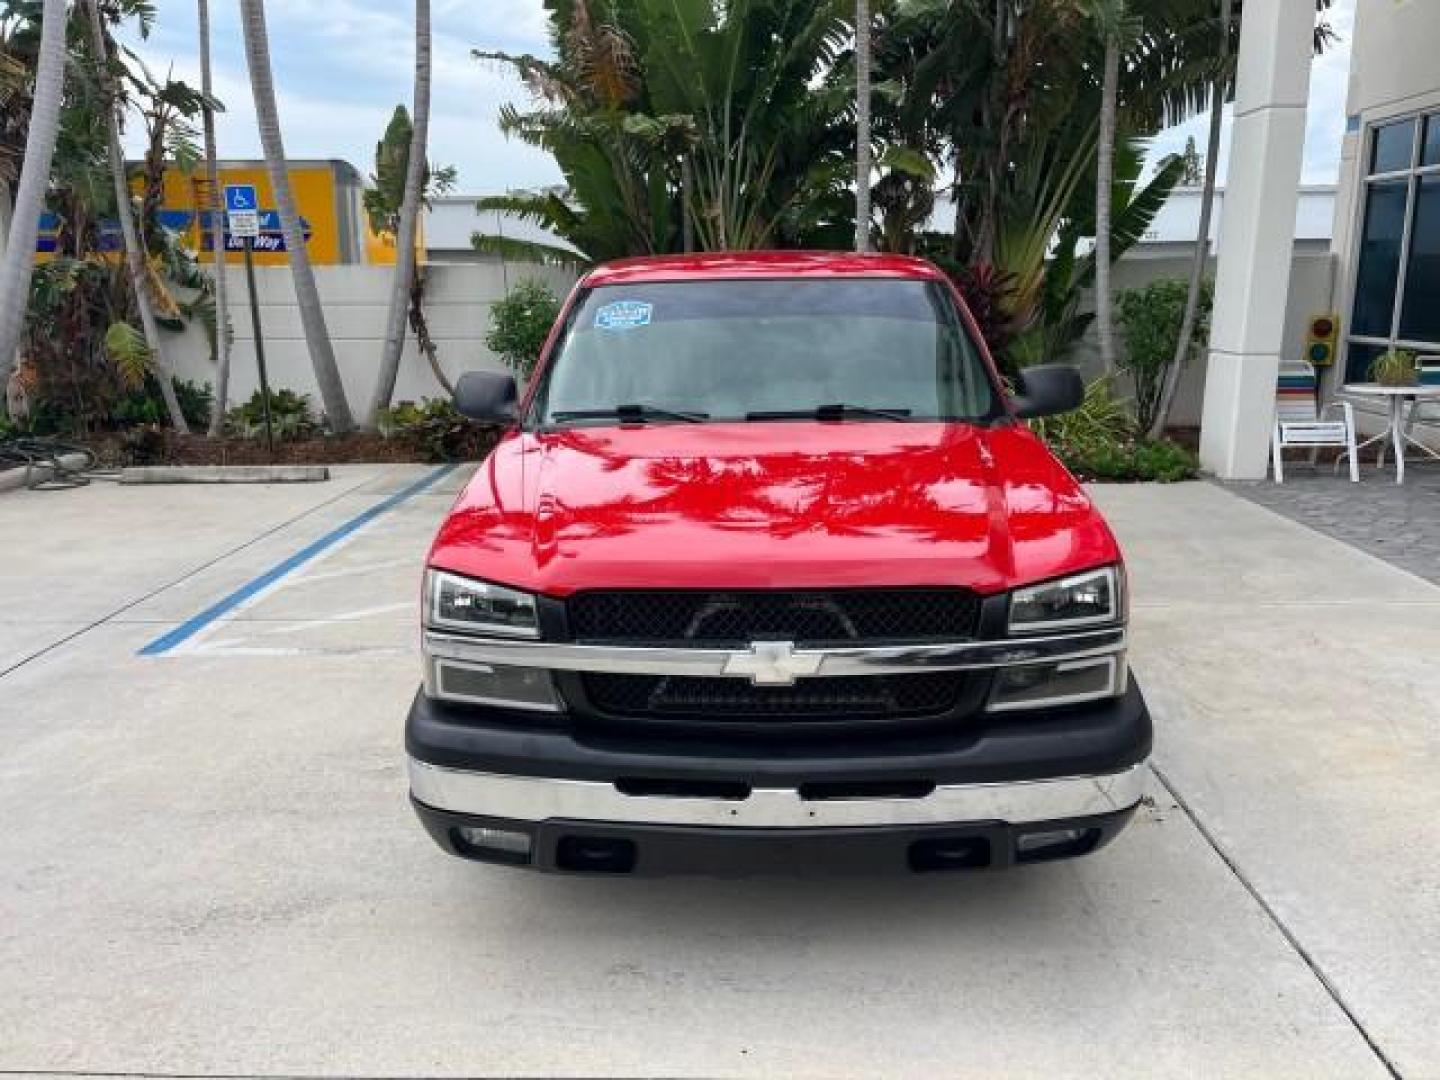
point(865, 349)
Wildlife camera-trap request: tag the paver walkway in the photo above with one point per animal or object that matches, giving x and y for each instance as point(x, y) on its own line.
point(1397, 523)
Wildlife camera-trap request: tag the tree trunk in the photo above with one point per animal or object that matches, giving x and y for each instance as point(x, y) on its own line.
point(136, 257)
point(1104, 184)
point(415, 175)
point(7, 211)
point(217, 237)
point(19, 253)
point(687, 195)
point(1202, 235)
point(862, 125)
point(421, 326)
point(307, 297)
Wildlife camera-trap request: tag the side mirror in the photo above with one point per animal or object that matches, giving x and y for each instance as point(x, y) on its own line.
point(486, 396)
point(1047, 390)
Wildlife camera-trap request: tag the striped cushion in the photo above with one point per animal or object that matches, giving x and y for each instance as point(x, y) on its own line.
point(1295, 393)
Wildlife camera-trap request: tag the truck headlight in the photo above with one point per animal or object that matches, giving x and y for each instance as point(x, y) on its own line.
point(1087, 599)
point(478, 607)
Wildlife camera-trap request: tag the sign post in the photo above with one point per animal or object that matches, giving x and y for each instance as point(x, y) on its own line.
point(243, 211)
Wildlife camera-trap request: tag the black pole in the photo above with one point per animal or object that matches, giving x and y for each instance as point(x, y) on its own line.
point(259, 345)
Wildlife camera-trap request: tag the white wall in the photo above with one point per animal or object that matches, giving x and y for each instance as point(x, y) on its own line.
point(1311, 274)
point(458, 299)
point(1179, 219)
point(451, 220)
point(355, 299)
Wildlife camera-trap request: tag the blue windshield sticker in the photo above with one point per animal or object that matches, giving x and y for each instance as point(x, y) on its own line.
point(624, 315)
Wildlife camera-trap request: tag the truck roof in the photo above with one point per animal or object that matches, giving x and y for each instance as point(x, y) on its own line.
point(760, 264)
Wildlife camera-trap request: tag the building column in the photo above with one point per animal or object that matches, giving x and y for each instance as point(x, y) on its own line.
point(1257, 236)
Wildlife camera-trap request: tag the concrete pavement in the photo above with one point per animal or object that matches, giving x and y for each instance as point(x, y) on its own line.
point(208, 866)
point(1294, 680)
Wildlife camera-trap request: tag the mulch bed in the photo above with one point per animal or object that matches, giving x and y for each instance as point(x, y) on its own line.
point(156, 447)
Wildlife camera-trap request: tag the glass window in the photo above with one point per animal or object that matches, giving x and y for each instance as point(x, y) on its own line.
point(1420, 316)
point(1358, 361)
point(733, 350)
point(1394, 147)
point(1377, 275)
point(1430, 151)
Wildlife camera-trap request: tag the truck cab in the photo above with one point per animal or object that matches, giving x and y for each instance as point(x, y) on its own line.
point(768, 573)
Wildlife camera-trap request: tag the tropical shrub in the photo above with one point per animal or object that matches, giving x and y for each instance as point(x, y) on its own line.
point(1157, 460)
point(432, 427)
point(1100, 441)
point(1150, 319)
point(520, 323)
point(1100, 420)
point(291, 416)
point(144, 405)
point(93, 364)
point(989, 295)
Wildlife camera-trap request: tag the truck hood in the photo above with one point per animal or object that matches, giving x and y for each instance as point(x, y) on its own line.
point(766, 505)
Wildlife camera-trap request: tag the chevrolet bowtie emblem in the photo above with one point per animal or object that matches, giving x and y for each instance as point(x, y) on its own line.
point(773, 663)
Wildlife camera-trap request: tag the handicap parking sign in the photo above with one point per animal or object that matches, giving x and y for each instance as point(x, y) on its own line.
point(242, 209)
point(240, 197)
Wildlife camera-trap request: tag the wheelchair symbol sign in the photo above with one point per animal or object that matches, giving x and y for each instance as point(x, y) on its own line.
point(240, 197)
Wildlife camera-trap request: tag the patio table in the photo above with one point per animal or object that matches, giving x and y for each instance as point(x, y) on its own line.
point(1395, 398)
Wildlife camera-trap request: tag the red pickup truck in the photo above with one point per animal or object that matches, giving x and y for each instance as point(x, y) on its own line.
point(766, 573)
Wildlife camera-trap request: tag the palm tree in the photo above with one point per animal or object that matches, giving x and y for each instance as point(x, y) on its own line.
point(217, 233)
point(19, 256)
point(136, 263)
point(862, 125)
point(384, 201)
point(416, 174)
point(1218, 93)
point(746, 96)
point(307, 297)
point(1110, 14)
point(14, 85)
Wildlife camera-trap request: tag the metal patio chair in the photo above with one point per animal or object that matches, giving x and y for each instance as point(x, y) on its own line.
point(1299, 420)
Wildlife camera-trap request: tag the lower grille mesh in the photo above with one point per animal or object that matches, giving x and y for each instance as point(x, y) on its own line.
point(927, 694)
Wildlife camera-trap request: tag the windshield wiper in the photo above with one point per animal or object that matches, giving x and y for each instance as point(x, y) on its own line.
point(634, 413)
point(830, 412)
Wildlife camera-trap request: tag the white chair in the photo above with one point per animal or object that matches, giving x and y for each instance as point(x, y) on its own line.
point(1299, 420)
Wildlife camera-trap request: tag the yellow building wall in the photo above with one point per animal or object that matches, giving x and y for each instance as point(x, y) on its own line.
point(317, 197)
point(380, 250)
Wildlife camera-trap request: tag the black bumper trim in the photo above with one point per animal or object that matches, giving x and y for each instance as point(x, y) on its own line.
point(1095, 739)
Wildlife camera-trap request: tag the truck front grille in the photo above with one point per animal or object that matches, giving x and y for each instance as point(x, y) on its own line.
point(813, 618)
point(929, 694)
point(735, 618)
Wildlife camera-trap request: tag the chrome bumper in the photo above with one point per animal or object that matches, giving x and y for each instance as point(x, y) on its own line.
point(539, 799)
point(806, 663)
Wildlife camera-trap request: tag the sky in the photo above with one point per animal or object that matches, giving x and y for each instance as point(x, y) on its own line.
point(341, 67)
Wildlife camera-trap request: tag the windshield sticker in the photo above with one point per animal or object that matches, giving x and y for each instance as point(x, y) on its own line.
point(624, 315)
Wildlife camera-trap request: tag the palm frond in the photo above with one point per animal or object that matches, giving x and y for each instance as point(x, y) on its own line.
point(126, 348)
point(508, 247)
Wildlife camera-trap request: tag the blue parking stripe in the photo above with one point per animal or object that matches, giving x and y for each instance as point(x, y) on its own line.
point(192, 626)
